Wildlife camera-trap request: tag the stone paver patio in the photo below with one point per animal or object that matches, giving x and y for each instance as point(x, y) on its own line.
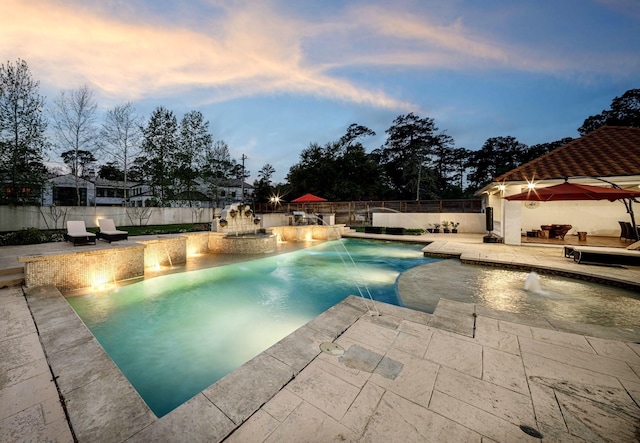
point(464, 373)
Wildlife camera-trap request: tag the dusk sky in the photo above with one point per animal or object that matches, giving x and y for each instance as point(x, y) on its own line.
point(274, 76)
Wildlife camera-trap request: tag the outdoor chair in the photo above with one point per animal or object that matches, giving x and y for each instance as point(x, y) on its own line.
point(78, 235)
point(630, 234)
point(109, 232)
point(623, 230)
point(559, 231)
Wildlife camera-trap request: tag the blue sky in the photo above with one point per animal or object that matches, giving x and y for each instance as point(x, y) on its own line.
point(274, 76)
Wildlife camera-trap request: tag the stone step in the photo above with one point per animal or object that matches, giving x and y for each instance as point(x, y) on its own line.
point(13, 270)
point(11, 276)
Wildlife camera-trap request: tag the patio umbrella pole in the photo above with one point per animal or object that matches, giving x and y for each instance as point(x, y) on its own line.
point(629, 206)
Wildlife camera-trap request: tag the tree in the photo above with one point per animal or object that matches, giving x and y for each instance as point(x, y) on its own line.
point(216, 167)
point(540, 149)
point(160, 144)
point(625, 111)
point(497, 156)
point(404, 156)
point(22, 135)
point(262, 189)
point(111, 171)
point(74, 117)
point(122, 136)
point(78, 161)
point(195, 140)
point(353, 173)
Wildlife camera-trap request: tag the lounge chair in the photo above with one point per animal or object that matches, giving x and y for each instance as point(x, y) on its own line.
point(612, 256)
point(78, 235)
point(109, 232)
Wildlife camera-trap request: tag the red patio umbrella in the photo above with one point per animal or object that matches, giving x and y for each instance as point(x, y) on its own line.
point(573, 191)
point(309, 198)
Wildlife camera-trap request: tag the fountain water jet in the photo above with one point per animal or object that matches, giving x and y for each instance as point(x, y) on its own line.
point(532, 284)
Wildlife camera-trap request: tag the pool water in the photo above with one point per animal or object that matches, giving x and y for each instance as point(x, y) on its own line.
point(175, 335)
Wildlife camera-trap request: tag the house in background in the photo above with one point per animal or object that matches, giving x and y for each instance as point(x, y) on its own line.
point(229, 191)
point(61, 191)
point(607, 155)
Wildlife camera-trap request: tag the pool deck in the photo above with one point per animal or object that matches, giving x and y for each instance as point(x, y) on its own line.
point(463, 373)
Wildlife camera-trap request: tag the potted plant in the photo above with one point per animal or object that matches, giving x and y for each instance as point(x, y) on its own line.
point(233, 213)
point(445, 227)
point(223, 222)
point(248, 212)
point(454, 227)
point(430, 230)
point(436, 228)
point(256, 221)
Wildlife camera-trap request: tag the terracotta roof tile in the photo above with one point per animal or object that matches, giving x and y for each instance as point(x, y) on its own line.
point(606, 152)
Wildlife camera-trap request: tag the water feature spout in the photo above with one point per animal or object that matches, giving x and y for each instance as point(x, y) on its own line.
point(532, 283)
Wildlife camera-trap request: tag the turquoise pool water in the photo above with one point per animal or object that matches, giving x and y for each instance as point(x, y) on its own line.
point(173, 336)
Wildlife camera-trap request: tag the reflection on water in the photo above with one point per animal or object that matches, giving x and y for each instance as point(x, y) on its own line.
point(554, 298)
point(172, 336)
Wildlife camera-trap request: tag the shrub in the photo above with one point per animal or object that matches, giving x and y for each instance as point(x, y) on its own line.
point(28, 236)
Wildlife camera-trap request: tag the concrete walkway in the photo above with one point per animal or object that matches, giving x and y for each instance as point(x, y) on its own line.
point(465, 373)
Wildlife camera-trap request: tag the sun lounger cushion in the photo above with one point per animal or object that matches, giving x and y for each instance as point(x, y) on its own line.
point(77, 233)
point(109, 232)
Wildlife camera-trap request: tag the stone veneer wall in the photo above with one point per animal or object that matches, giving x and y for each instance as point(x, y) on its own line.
point(166, 251)
point(80, 269)
point(309, 232)
point(76, 270)
point(197, 242)
point(243, 244)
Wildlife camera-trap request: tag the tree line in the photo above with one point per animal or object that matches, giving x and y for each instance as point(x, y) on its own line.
point(180, 160)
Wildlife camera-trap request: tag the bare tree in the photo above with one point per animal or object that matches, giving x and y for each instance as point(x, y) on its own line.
point(74, 117)
point(139, 214)
point(122, 137)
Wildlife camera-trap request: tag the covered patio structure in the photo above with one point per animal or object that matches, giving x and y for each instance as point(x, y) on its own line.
point(605, 157)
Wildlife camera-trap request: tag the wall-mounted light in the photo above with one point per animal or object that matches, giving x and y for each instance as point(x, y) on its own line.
point(502, 187)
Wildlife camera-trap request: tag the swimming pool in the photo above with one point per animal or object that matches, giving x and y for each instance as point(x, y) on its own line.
point(174, 335)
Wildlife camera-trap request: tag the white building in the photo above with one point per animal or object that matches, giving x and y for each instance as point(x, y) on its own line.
point(608, 154)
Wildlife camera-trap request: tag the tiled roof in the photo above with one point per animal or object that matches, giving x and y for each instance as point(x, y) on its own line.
point(608, 151)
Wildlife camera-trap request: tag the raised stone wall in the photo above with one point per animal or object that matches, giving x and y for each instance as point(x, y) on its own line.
point(197, 243)
point(242, 244)
point(308, 232)
point(85, 268)
point(76, 270)
point(165, 251)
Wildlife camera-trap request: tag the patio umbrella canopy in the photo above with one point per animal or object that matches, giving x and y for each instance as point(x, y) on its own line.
point(309, 198)
point(572, 191)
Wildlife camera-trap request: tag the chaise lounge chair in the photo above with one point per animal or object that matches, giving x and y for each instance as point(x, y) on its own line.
point(611, 256)
point(78, 235)
point(109, 232)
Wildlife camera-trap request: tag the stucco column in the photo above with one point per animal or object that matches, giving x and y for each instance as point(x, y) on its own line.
point(511, 222)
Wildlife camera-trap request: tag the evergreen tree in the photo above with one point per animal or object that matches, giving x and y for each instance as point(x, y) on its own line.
point(160, 145)
point(22, 135)
point(497, 156)
point(195, 140)
point(405, 155)
point(216, 168)
point(624, 111)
